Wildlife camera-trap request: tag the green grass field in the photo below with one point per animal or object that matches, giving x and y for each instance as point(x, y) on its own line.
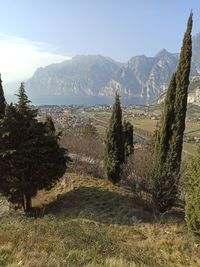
point(192, 126)
point(145, 124)
point(190, 149)
point(99, 114)
point(87, 222)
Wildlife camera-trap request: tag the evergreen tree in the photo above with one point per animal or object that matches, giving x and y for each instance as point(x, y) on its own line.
point(23, 102)
point(164, 191)
point(128, 139)
point(192, 207)
point(114, 145)
point(2, 100)
point(169, 141)
point(180, 104)
point(30, 156)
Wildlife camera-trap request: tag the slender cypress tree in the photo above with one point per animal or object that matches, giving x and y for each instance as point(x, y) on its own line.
point(180, 104)
point(169, 141)
point(114, 145)
point(164, 190)
point(2, 100)
point(128, 139)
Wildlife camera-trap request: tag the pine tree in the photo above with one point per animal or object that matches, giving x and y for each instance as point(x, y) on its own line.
point(114, 145)
point(30, 156)
point(169, 141)
point(2, 100)
point(192, 207)
point(23, 102)
point(128, 139)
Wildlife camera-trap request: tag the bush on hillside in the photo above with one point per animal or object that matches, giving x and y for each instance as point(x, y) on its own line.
point(86, 152)
point(192, 208)
point(137, 171)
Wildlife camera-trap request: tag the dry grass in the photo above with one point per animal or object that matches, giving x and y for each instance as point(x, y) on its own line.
point(87, 223)
point(192, 126)
point(190, 148)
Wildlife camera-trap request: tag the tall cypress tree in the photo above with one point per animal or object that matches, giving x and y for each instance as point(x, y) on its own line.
point(2, 100)
point(169, 142)
point(180, 104)
point(114, 145)
point(128, 139)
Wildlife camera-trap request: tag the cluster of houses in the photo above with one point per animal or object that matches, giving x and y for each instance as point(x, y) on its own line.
point(75, 116)
point(64, 117)
point(98, 108)
point(193, 119)
point(133, 112)
point(191, 139)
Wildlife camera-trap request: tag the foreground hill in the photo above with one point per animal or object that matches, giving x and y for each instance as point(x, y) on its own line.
point(89, 222)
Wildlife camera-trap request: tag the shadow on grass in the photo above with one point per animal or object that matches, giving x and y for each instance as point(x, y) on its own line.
point(93, 203)
point(109, 207)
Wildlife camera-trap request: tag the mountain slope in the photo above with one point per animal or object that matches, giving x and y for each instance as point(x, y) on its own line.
point(193, 92)
point(143, 78)
point(82, 76)
point(140, 81)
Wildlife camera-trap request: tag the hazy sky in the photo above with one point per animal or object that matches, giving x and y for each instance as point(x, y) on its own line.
point(36, 33)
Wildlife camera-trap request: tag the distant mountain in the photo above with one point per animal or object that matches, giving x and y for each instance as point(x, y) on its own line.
point(195, 70)
point(193, 92)
point(139, 81)
point(143, 78)
point(80, 76)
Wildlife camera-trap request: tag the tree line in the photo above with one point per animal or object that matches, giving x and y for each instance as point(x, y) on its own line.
point(168, 144)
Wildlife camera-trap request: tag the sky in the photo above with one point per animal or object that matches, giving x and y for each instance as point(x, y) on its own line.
point(36, 33)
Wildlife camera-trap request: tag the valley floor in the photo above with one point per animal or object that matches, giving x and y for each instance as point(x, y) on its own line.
point(89, 222)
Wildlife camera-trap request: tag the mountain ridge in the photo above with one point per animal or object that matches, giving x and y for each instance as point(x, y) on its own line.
point(141, 80)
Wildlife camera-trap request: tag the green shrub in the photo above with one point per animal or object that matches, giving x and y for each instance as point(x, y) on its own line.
point(192, 208)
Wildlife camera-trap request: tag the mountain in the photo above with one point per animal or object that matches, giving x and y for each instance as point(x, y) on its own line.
point(195, 68)
point(193, 92)
point(80, 76)
point(143, 78)
point(139, 81)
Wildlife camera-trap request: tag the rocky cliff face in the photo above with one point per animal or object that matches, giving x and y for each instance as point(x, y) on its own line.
point(193, 92)
point(81, 76)
point(142, 79)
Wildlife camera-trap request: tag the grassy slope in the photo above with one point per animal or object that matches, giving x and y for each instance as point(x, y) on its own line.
point(87, 223)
